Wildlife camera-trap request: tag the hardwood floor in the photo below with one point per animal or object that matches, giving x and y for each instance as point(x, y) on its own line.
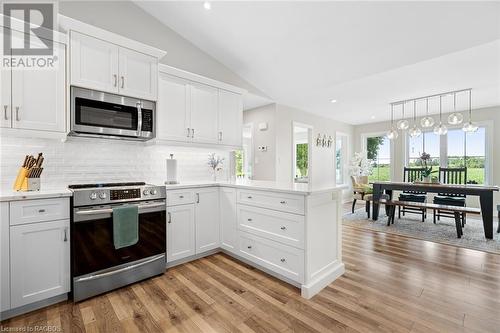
point(392, 284)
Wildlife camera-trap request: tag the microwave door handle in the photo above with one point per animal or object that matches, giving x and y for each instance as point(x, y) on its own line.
point(139, 118)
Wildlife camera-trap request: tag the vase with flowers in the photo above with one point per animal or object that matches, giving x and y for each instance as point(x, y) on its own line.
point(427, 172)
point(215, 163)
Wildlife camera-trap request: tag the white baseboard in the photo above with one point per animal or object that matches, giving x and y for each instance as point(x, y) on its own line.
point(315, 286)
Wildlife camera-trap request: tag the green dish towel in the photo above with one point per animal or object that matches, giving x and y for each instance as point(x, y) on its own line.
point(125, 226)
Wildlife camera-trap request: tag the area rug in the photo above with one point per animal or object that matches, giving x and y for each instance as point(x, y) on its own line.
point(442, 232)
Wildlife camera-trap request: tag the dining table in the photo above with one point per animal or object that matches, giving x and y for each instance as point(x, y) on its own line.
point(484, 192)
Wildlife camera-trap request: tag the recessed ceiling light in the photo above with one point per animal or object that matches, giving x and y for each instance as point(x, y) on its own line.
point(207, 5)
point(372, 117)
point(333, 101)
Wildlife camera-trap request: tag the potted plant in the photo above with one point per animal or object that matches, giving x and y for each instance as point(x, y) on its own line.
point(360, 168)
point(215, 163)
point(427, 172)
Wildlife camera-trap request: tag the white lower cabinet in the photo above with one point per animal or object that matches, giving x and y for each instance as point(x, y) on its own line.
point(39, 261)
point(207, 219)
point(228, 220)
point(4, 257)
point(180, 232)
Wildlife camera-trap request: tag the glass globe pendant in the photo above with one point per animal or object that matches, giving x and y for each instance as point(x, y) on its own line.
point(441, 129)
point(403, 124)
point(455, 118)
point(415, 131)
point(470, 127)
point(427, 121)
point(392, 134)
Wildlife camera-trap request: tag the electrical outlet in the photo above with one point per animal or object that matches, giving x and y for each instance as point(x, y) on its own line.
point(262, 148)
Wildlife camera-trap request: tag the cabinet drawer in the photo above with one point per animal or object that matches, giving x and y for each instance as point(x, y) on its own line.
point(180, 197)
point(279, 201)
point(282, 227)
point(282, 259)
point(32, 211)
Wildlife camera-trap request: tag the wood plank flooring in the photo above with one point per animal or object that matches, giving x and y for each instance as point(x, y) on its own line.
point(392, 284)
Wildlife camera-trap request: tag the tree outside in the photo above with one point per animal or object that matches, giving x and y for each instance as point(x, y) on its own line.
point(302, 157)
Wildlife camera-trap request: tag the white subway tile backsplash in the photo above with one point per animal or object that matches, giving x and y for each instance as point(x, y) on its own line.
point(95, 160)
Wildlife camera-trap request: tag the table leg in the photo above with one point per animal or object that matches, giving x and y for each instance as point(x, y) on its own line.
point(377, 192)
point(486, 200)
point(387, 208)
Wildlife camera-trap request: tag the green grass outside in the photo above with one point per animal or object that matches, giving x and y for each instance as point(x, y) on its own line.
point(383, 173)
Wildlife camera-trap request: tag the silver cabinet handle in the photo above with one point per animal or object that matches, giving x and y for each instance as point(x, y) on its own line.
point(192, 133)
point(181, 197)
point(249, 220)
point(283, 228)
point(249, 246)
point(65, 234)
point(17, 114)
point(220, 136)
point(115, 77)
point(41, 210)
point(123, 82)
point(283, 259)
point(5, 115)
point(189, 132)
point(283, 202)
point(169, 220)
point(197, 197)
point(249, 197)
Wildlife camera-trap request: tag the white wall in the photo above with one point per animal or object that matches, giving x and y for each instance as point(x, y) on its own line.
point(127, 19)
point(81, 160)
point(491, 115)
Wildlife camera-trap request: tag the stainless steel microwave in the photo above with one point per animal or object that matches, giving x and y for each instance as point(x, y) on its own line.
point(98, 114)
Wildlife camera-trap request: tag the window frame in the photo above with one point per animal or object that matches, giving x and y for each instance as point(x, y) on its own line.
point(365, 136)
point(344, 157)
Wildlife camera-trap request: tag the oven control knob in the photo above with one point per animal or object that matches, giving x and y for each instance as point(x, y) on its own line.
point(93, 196)
point(145, 192)
point(153, 192)
point(102, 195)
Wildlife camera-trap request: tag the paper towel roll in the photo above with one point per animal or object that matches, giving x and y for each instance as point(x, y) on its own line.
point(171, 171)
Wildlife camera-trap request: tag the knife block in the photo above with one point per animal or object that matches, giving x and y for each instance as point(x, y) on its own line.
point(20, 179)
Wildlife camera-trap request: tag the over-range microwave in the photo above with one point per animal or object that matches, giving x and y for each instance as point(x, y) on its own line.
point(99, 114)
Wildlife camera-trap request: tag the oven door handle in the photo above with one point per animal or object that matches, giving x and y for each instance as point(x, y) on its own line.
point(110, 210)
point(124, 269)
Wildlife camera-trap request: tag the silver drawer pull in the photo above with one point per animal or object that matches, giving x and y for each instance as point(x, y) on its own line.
point(283, 202)
point(181, 197)
point(41, 210)
point(5, 115)
point(249, 197)
point(283, 228)
point(249, 246)
point(249, 220)
point(283, 259)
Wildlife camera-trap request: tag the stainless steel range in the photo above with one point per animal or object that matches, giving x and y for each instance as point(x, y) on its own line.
point(96, 265)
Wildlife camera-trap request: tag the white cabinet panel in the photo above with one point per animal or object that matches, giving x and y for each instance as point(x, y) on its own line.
point(35, 211)
point(230, 118)
point(94, 63)
point(207, 219)
point(228, 219)
point(138, 74)
point(173, 109)
point(180, 197)
point(180, 232)
point(5, 95)
point(288, 203)
point(40, 262)
point(4, 257)
point(38, 96)
point(204, 112)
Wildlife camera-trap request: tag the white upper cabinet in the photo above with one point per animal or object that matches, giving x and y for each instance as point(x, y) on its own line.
point(204, 114)
point(5, 93)
point(173, 109)
point(230, 118)
point(104, 66)
point(38, 96)
point(207, 219)
point(138, 74)
point(94, 63)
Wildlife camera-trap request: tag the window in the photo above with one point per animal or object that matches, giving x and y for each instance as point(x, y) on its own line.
point(243, 157)
point(378, 150)
point(427, 142)
point(340, 155)
point(301, 144)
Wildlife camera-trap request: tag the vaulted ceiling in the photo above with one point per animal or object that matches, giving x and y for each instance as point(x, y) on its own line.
point(362, 54)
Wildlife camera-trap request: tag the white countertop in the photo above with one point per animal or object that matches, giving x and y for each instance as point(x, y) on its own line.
point(293, 188)
point(11, 195)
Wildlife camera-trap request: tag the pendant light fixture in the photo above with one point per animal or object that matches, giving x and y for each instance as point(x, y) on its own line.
point(441, 129)
point(427, 121)
point(469, 126)
point(456, 118)
point(403, 124)
point(393, 133)
point(415, 131)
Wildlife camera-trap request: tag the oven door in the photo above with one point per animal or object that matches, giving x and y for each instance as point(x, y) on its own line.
point(92, 237)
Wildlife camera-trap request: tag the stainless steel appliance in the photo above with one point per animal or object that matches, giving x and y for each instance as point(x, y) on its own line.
point(98, 114)
point(96, 266)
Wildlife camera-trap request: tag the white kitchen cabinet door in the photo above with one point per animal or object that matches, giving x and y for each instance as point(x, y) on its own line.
point(138, 74)
point(173, 109)
point(207, 219)
point(230, 118)
point(4, 257)
point(38, 96)
point(5, 102)
point(40, 261)
point(94, 63)
point(204, 112)
point(180, 232)
point(228, 219)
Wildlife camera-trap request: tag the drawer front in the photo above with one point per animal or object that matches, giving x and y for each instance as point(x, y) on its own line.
point(282, 259)
point(32, 211)
point(180, 197)
point(282, 227)
point(279, 201)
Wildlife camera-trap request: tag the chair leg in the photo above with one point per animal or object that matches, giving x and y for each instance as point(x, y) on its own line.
point(434, 215)
point(439, 215)
point(353, 204)
point(423, 215)
point(458, 224)
point(368, 208)
point(399, 212)
point(498, 230)
point(393, 214)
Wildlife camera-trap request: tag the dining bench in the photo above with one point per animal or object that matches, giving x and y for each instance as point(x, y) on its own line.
point(456, 210)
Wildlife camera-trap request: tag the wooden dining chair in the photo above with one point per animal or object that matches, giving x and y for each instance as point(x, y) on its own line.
point(457, 176)
point(411, 175)
point(361, 191)
point(498, 208)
